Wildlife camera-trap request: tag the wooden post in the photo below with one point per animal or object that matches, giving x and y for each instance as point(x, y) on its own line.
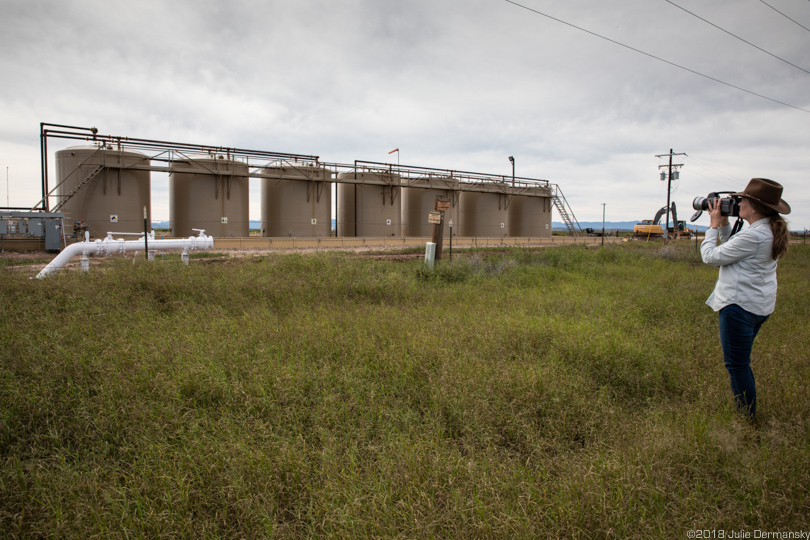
point(145, 235)
point(438, 230)
point(451, 240)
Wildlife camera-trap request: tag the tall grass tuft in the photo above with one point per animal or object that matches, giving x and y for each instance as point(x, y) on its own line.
point(562, 392)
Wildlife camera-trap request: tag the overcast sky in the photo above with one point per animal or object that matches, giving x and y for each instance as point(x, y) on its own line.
point(455, 84)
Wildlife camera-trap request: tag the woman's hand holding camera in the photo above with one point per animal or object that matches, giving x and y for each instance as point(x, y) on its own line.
point(716, 219)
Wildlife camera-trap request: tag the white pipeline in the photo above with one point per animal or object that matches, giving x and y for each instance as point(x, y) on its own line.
point(110, 245)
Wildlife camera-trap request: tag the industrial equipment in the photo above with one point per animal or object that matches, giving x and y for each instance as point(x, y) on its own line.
point(102, 186)
point(296, 200)
point(31, 230)
point(369, 204)
point(209, 192)
point(110, 245)
point(106, 182)
point(650, 228)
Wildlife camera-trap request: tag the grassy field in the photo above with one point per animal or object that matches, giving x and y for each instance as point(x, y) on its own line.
point(559, 392)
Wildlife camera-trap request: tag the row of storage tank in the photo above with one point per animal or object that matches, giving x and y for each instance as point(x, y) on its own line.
point(212, 193)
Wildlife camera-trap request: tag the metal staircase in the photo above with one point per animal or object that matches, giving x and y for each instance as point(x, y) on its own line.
point(566, 214)
point(78, 188)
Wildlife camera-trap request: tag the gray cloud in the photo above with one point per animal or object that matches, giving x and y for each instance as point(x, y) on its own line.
point(457, 83)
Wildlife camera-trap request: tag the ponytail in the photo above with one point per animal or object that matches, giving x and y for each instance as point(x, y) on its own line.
point(779, 228)
point(781, 236)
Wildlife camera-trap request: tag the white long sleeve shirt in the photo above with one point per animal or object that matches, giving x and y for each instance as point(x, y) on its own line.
point(747, 271)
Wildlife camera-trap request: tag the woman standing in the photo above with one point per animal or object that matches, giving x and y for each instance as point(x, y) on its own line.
point(745, 293)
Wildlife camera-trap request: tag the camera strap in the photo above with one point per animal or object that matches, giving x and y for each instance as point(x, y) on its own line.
point(737, 226)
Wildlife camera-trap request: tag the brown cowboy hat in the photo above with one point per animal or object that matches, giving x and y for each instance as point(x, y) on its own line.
point(765, 192)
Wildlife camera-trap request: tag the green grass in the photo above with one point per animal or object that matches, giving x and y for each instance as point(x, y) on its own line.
point(7, 263)
point(559, 392)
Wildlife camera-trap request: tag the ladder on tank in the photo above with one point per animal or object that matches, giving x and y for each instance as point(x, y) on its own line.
point(78, 188)
point(566, 214)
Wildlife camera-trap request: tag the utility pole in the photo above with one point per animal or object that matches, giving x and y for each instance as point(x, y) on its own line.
point(669, 188)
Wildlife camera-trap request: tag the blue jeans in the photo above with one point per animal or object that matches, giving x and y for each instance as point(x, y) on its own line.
point(738, 328)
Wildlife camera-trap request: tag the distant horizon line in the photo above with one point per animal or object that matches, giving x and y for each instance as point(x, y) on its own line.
point(555, 225)
point(626, 226)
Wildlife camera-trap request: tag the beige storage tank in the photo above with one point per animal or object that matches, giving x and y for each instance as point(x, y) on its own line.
point(210, 193)
point(530, 213)
point(418, 201)
point(483, 214)
point(113, 194)
point(297, 200)
point(369, 209)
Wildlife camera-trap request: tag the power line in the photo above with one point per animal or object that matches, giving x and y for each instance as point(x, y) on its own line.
point(698, 173)
point(736, 36)
point(657, 58)
point(783, 15)
point(715, 169)
point(724, 177)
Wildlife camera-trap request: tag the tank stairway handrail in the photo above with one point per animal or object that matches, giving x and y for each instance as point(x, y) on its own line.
point(566, 214)
point(51, 192)
point(78, 188)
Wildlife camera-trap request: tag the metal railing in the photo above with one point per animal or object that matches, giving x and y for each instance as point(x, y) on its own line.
point(566, 214)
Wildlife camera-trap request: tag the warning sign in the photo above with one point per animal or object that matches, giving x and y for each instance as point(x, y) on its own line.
point(442, 203)
point(435, 218)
